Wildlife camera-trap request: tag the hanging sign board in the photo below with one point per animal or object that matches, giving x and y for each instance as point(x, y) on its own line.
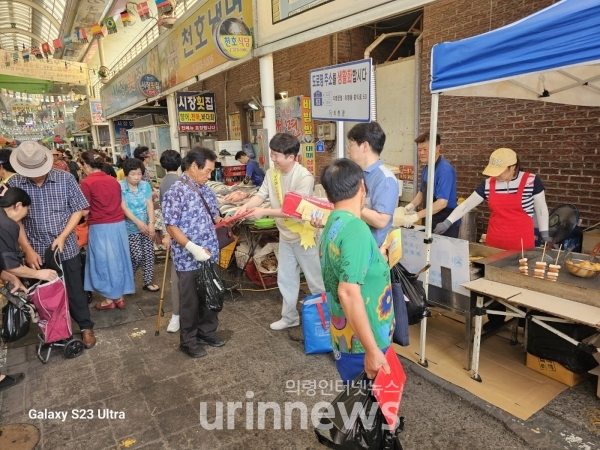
point(196, 111)
point(97, 117)
point(342, 92)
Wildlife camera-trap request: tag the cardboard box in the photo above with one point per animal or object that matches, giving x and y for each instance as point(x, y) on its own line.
point(596, 371)
point(590, 239)
point(554, 370)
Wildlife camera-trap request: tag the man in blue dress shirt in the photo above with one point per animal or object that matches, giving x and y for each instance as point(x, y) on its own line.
point(365, 144)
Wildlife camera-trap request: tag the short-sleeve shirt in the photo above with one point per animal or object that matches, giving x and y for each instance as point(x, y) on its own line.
point(256, 174)
point(299, 180)
point(52, 205)
point(103, 193)
point(9, 246)
point(382, 196)
point(444, 182)
point(350, 254)
point(183, 208)
point(533, 186)
point(137, 203)
point(167, 181)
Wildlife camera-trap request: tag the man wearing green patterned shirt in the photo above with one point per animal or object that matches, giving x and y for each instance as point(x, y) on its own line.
point(356, 277)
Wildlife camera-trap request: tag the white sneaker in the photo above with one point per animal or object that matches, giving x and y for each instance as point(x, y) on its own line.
point(173, 324)
point(283, 324)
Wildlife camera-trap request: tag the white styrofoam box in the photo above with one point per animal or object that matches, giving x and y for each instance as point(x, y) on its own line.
point(228, 161)
point(231, 146)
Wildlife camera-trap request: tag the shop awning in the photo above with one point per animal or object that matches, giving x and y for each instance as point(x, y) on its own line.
point(553, 55)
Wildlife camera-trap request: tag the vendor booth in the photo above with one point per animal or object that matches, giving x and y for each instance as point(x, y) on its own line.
point(551, 56)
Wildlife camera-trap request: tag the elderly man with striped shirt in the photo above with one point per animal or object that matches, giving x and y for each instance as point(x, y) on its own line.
point(56, 208)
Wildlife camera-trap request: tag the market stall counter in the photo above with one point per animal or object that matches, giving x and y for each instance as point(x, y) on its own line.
point(560, 310)
point(453, 262)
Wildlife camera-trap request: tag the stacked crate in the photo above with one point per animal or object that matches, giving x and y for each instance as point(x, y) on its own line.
point(233, 174)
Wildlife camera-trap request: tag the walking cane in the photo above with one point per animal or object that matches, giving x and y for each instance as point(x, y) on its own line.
point(162, 295)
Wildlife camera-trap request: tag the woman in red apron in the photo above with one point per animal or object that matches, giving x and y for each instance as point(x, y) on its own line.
point(513, 196)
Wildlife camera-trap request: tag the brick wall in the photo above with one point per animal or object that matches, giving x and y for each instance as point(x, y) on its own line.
point(291, 67)
point(558, 142)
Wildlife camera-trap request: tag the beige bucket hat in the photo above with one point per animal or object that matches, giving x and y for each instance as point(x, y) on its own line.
point(31, 159)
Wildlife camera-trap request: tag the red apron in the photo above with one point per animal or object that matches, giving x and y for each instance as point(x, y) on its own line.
point(509, 223)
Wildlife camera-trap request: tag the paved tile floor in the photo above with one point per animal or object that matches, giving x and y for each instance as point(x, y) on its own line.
point(159, 391)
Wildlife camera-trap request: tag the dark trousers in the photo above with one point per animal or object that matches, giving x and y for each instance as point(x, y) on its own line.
point(194, 317)
point(78, 305)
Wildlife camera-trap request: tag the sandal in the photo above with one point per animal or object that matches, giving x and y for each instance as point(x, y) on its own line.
point(151, 288)
point(103, 307)
point(11, 380)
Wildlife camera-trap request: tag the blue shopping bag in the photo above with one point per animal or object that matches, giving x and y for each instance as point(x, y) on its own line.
point(315, 324)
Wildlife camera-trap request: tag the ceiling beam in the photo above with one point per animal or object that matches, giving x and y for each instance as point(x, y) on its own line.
point(41, 10)
point(23, 32)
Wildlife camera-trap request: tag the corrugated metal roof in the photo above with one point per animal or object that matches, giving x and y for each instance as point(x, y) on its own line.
point(24, 25)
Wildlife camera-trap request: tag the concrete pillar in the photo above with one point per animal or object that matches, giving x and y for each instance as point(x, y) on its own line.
point(267, 89)
point(173, 127)
point(101, 52)
point(112, 134)
point(94, 130)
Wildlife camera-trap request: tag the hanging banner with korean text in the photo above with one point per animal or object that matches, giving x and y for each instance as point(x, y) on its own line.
point(293, 116)
point(342, 92)
point(196, 111)
point(55, 70)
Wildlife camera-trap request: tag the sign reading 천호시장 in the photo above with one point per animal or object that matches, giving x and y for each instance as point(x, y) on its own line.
point(342, 92)
point(196, 111)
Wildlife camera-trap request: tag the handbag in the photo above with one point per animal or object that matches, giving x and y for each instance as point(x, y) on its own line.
point(224, 234)
point(416, 307)
point(210, 286)
point(401, 335)
point(315, 325)
point(354, 421)
point(16, 318)
point(82, 232)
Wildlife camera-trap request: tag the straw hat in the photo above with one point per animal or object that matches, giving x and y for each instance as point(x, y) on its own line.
point(31, 159)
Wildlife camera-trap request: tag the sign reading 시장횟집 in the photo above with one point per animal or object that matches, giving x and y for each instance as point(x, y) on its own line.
point(342, 92)
point(196, 111)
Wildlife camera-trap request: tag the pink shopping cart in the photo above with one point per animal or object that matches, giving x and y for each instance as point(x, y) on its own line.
point(52, 303)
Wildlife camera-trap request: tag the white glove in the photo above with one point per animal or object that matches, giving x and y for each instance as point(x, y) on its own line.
point(410, 208)
point(199, 253)
point(410, 219)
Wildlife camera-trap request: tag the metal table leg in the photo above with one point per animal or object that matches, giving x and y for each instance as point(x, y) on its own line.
point(477, 338)
point(422, 359)
point(468, 340)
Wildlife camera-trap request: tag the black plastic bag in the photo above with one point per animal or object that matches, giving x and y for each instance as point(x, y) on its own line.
point(546, 345)
point(15, 322)
point(354, 421)
point(210, 286)
point(400, 336)
point(416, 307)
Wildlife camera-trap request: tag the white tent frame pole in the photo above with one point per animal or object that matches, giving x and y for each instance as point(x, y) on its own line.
point(429, 208)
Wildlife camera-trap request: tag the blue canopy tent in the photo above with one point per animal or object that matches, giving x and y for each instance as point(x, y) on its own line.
point(552, 55)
